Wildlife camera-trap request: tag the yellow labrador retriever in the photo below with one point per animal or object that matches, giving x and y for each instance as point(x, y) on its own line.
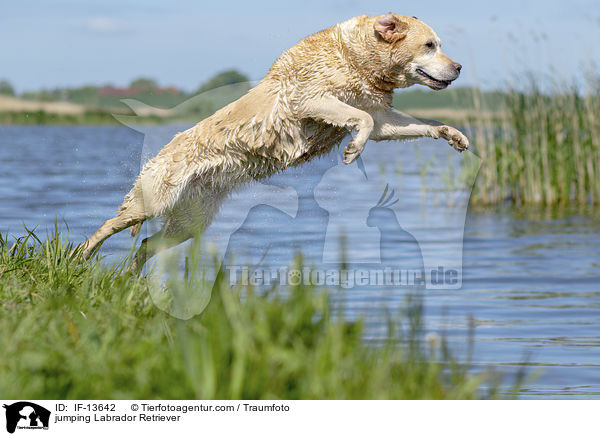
point(333, 82)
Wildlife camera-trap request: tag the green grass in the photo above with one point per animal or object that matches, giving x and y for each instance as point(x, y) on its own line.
point(84, 331)
point(545, 150)
point(89, 117)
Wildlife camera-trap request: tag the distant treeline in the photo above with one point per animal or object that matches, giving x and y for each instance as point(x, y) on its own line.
point(143, 89)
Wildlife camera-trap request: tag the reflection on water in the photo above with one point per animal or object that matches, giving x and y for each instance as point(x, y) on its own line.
point(530, 278)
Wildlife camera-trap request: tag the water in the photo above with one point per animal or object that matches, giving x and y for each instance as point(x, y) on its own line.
point(529, 279)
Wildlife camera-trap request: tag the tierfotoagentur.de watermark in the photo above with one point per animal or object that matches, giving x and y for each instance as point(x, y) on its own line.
point(344, 278)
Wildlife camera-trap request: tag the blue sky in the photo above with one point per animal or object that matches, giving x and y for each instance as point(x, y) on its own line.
point(67, 42)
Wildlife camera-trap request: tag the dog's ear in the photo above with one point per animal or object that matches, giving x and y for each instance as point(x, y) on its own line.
point(391, 28)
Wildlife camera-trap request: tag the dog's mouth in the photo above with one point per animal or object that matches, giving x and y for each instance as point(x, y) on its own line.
point(432, 82)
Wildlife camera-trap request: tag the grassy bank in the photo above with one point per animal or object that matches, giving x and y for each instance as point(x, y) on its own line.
point(42, 117)
point(545, 150)
point(87, 331)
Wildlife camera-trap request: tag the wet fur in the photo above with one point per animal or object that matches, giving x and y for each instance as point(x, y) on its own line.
point(335, 81)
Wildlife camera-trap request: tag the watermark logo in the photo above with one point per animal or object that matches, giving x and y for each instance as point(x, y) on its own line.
point(340, 278)
point(25, 415)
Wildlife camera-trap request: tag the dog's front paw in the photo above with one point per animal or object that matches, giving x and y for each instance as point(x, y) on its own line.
point(454, 137)
point(352, 151)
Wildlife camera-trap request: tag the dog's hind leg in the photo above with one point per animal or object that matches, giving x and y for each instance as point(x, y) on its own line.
point(109, 228)
point(130, 213)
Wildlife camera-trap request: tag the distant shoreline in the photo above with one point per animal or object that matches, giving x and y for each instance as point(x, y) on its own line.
point(106, 118)
point(103, 118)
point(99, 118)
point(17, 111)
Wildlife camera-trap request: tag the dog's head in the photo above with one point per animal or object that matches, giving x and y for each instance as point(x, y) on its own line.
point(411, 53)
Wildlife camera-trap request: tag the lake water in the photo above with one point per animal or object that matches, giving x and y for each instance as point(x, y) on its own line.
point(529, 279)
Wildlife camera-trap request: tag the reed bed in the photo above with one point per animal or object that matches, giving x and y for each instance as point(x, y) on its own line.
point(540, 148)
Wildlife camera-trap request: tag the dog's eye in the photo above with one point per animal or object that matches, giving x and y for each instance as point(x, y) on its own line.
point(429, 44)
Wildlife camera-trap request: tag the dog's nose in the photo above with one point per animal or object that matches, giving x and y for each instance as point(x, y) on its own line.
point(457, 66)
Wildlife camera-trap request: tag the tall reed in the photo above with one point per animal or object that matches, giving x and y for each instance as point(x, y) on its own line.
point(543, 149)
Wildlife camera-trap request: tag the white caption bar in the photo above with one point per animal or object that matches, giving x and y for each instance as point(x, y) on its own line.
point(23, 417)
